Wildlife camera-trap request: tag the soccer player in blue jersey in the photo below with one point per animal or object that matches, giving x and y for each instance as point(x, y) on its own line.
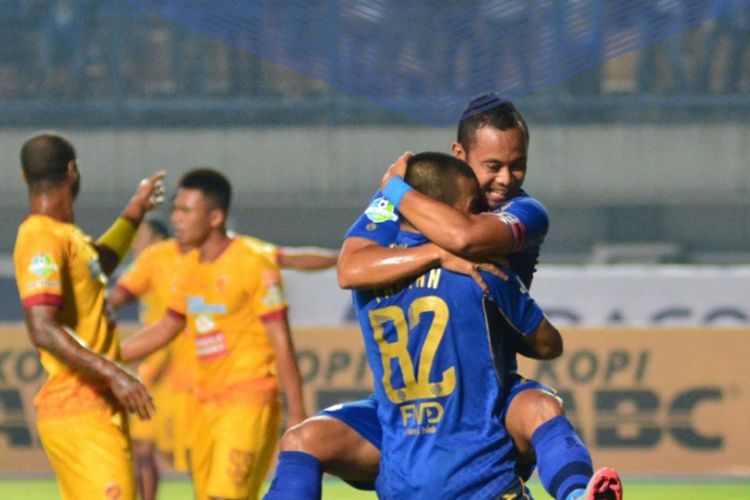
point(442, 376)
point(493, 139)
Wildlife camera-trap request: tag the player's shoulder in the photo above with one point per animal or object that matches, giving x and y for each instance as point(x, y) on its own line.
point(36, 226)
point(523, 202)
point(512, 281)
point(162, 249)
point(248, 250)
point(262, 247)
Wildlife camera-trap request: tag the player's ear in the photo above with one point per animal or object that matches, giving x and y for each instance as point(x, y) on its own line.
point(458, 151)
point(218, 218)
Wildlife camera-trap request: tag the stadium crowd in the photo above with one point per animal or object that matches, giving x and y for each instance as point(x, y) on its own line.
point(107, 49)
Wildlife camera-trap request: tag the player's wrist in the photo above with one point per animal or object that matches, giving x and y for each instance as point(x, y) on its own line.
point(134, 211)
point(395, 190)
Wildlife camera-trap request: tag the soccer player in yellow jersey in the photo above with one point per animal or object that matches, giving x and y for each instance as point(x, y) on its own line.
point(168, 373)
point(61, 277)
point(148, 278)
point(228, 298)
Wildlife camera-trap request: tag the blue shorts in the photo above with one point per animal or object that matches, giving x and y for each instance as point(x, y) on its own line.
point(519, 384)
point(362, 415)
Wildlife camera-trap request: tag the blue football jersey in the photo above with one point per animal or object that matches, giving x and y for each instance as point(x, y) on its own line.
point(526, 216)
point(442, 354)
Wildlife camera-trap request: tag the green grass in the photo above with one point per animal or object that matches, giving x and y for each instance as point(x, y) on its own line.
point(45, 489)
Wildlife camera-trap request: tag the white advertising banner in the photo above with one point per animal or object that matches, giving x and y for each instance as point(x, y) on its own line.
point(591, 296)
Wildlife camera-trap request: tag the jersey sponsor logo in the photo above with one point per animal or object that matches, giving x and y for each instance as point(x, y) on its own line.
point(197, 304)
point(42, 265)
point(210, 345)
point(381, 210)
point(421, 417)
point(204, 323)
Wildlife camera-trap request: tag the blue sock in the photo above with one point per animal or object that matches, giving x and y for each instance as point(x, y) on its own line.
point(563, 460)
point(298, 477)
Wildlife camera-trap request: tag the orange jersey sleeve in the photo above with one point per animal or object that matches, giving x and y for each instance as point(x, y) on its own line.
point(273, 252)
point(40, 258)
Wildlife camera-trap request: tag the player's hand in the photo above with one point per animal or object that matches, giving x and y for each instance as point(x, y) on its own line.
point(397, 169)
point(131, 393)
point(460, 265)
point(150, 194)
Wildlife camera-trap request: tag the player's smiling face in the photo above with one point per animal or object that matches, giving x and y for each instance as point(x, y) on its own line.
point(192, 216)
point(498, 158)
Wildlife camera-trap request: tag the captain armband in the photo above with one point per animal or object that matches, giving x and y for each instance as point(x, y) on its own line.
point(118, 237)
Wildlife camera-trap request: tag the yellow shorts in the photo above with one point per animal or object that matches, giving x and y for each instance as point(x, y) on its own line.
point(90, 454)
point(183, 419)
point(233, 448)
point(160, 428)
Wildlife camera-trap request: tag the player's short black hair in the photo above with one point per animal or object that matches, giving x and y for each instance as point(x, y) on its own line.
point(435, 175)
point(488, 109)
point(157, 227)
point(45, 158)
point(211, 183)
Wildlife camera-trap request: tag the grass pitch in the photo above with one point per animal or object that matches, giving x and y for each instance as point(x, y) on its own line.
point(333, 489)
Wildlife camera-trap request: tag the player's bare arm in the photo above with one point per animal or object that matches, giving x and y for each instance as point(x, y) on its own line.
point(307, 258)
point(365, 264)
point(288, 370)
point(544, 343)
point(152, 338)
point(115, 242)
point(118, 297)
point(481, 236)
point(45, 333)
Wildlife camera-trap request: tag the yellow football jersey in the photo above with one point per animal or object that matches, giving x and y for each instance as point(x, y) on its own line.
point(271, 251)
point(149, 278)
point(57, 265)
point(225, 303)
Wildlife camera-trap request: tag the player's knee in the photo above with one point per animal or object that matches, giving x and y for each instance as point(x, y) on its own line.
point(309, 436)
point(548, 405)
point(296, 438)
point(530, 409)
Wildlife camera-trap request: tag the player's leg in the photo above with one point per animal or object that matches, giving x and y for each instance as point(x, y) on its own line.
point(183, 419)
point(535, 419)
point(90, 454)
point(143, 434)
point(343, 440)
point(146, 470)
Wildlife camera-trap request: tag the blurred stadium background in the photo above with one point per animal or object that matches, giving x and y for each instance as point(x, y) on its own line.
point(640, 140)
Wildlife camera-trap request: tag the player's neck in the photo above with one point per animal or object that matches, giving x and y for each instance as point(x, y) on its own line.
point(214, 245)
point(56, 203)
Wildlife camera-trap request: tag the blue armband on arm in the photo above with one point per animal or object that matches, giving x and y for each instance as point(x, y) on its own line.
point(395, 189)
